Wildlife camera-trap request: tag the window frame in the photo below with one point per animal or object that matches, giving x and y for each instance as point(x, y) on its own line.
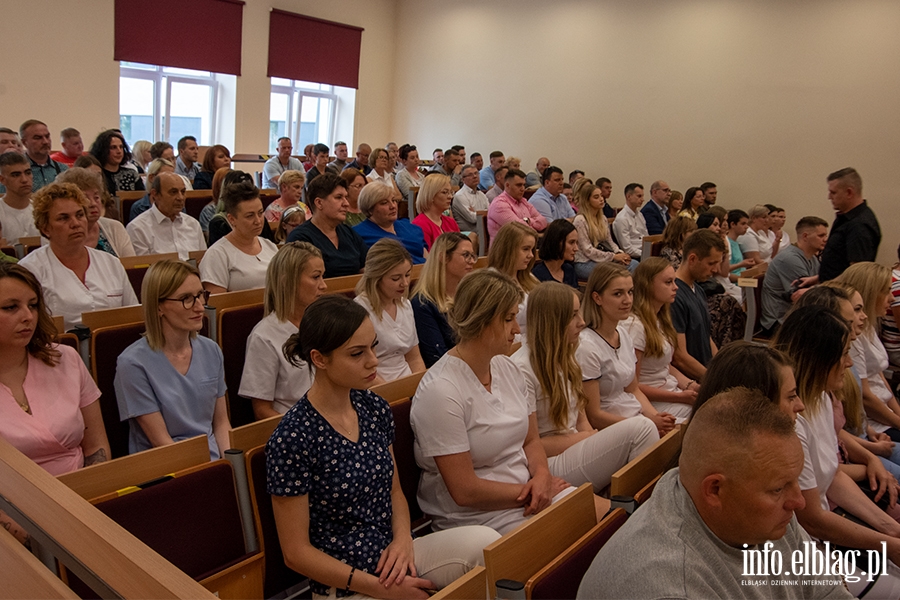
point(296, 94)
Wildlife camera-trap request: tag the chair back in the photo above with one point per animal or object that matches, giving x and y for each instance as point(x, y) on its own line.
point(233, 329)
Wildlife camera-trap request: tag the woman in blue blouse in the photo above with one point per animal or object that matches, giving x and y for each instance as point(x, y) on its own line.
point(377, 203)
point(341, 515)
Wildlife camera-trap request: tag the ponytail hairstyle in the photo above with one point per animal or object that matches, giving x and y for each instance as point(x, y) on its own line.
point(326, 326)
point(549, 352)
point(504, 253)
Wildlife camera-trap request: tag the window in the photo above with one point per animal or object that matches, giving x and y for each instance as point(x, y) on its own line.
point(302, 111)
point(167, 103)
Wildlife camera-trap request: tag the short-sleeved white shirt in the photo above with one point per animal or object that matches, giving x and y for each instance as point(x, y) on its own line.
point(396, 337)
point(655, 369)
point(267, 373)
point(820, 449)
point(613, 367)
point(228, 267)
point(756, 242)
point(152, 232)
point(17, 222)
point(538, 402)
point(452, 413)
point(106, 284)
point(871, 359)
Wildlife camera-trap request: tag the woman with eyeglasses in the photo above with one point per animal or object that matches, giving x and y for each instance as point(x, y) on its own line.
point(451, 258)
point(383, 171)
point(170, 384)
point(292, 218)
point(356, 181)
point(435, 197)
point(377, 202)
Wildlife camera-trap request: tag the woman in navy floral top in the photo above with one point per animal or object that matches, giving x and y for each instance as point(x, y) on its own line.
point(342, 518)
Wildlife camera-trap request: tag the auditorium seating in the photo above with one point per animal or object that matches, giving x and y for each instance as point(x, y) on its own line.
point(125, 200)
point(651, 245)
point(751, 281)
point(30, 244)
point(634, 482)
point(470, 586)
point(136, 267)
point(195, 201)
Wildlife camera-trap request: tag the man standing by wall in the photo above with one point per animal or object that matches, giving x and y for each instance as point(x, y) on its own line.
point(855, 234)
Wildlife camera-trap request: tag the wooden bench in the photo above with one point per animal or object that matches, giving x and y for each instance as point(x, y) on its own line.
point(24, 576)
point(651, 245)
point(471, 586)
point(253, 435)
point(29, 244)
point(751, 281)
point(534, 544)
point(637, 478)
point(136, 267)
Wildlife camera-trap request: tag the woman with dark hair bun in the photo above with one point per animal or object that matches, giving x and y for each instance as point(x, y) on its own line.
point(341, 515)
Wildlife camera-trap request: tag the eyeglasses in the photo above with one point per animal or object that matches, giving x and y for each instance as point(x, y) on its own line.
point(188, 301)
point(469, 257)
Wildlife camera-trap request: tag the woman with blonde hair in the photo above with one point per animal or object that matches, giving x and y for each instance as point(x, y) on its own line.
point(294, 280)
point(477, 437)
point(383, 171)
point(873, 282)
point(450, 259)
point(382, 291)
point(755, 243)
point(290, 184)
point(140, 155)
point(595, 243)
point(606, 353)
point(513, 162)
point(576, 452)
point(377, 204)
point(673, 238)
point(654, 339)
point(512, 252)
point(435, 197)
point(170, 384)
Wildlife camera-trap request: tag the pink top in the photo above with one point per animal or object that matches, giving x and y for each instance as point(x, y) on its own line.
point(431, 230)
point(51, 435)
point(504, 209)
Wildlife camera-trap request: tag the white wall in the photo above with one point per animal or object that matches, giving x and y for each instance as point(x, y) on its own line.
point(765, 98)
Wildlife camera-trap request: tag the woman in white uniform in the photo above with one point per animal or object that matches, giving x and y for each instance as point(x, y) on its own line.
point(575, 451)
point(512, 252)
point(606, 353)
point(476, 437)
point(296, 279)
point(654, 340)
point(239, 260)
point(382, 291)
point(76, 279)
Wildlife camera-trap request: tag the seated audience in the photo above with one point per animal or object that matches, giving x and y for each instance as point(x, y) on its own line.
point(165, 228)
point(340, 156)
point(111, 149)
point(512, 253)
point(605, 186)
point(408, 177)
point(715, 219)
point(533, 177)
point(656, 212)
point(630, 228)
point(356, 181)
point(488, 174)
point(186, 164)
point(703, 252)
point(595, 243)
point(576, 452)
point(320, 163)
point(549, 199)
point(435, 197)
point(290, 184)
point(239, 260)
point(361, 161)
point(476, 436)
point(209, 211)
point(777, 235)
point(36, 141)
point(511, 206)
point(217, 157)
point(15, 207)
point(450, 259)
point(449, 167)
point(382, 171)
point(654, 339)
point(295, 279)
point(339, 508)
point(308, 158)
point(75, 279)
point(676, 203)
point(170, 384)
point(755, 242)
point(382, 291)
point(72, 147)
point(156, 167)
point(890, 324)
point(48, 400)
point(499, 185)
point(817, 340)
point(107, 235)
point(873, 282)
point(738, 223)
point(469, 200)
point(140, 155)
point(792, 272)
point(514, 162)
point(343, 251)
point(376, 201)
point(673, 238)
point(691, 531)
point(281, 162)
point(557, 252)
point(606, 353)
point(219, 226)
point(695, 204)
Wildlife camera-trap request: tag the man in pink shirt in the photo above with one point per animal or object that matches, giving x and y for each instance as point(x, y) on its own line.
point(511, 205)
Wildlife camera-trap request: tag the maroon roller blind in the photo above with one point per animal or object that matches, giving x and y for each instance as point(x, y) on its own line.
point(311, 49)
point(200, 34)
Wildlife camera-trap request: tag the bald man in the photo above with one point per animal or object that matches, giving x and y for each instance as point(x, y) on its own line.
point(690, 539)
point(533, 179)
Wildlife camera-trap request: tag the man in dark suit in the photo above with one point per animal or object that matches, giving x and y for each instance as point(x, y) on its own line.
point(656, 212)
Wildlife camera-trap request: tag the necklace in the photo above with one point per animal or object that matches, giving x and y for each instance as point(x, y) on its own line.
point(330, 417)
point(460, 356)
